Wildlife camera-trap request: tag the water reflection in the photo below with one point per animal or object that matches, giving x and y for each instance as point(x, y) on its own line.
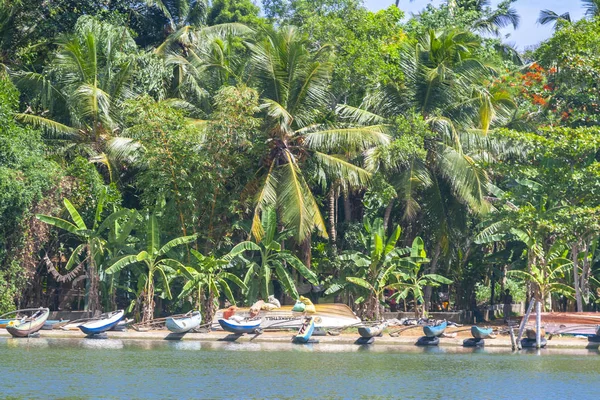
point(113, 344)
point(27, 342)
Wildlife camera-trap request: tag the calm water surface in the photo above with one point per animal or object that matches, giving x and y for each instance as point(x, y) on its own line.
point(86, 368)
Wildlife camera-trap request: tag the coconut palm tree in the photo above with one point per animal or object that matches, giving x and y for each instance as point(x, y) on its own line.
point(154, 261)
point(550, 17)
point(294, 84)
point(84, 86)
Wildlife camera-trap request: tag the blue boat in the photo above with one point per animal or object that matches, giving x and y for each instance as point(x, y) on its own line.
point(481, 333)
point(306, 331)
point(238, 328)
point(102, 325)
point(435, 330)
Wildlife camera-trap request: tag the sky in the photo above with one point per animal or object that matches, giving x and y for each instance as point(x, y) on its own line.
point(529, 32)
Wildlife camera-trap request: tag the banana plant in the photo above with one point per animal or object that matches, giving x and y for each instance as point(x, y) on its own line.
point(155, 262)
point(272, 261)
point(93, 244)
point(209, 275)
point(548, 276)
point(410, 282)
point(376, 268)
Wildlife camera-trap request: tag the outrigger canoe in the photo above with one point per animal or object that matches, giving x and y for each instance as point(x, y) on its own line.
point(26, 326)
point(184, 323)
point(481, 333)
point(102, 325)
point(246, 326)
point(435, 330)
point(306, 331)
point(371, 331)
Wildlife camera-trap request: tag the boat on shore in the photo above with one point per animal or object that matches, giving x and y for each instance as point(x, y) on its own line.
point(184, 323)
point(241, 327)
point(371, 331)
point(30, 324)
point(105, 323)
point(306, 331)
point(435, 330)
point(481, 333)
point(331, 315)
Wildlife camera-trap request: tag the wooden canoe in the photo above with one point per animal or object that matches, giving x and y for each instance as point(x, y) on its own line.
point(306, 330)
point(481, 333)
point(371, 331)
point(184, 323)
point(28, 325)
point(435, 330)
point(104, 324)
point(232, 326)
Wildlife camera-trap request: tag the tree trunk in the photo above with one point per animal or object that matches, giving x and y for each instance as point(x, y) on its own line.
point(209, 307)
point(347, 207)
point(306, 251)
point(386, 216)
point(574, 259)
point(432, 270)
point(332, 218)
point(148, 309)
point(93, 295)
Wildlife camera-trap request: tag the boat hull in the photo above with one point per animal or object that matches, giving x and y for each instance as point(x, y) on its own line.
point(27, 328)
point(481, 333)
point(331, 316)
point(239, 328)
point(436, 330)
point(103, 325)
point(370, 331)
point(304, 336)
point(184, 324)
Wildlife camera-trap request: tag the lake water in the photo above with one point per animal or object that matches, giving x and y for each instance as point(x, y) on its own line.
point(88, 368)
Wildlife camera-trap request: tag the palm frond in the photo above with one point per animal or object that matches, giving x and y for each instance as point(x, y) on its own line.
point(343, 140)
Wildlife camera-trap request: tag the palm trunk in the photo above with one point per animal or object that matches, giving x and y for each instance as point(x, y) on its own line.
point(332, 227)
point(574, 259)
point(209, 307)
point(306, 251)
point(432, 270)
point(386, 216)
point(347, 207)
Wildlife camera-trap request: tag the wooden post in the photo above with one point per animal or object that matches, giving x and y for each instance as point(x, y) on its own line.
point(523, 322)
point(538, 324)
point(512, 338)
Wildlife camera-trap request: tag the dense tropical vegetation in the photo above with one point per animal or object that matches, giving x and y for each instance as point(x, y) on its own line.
point(160, 156)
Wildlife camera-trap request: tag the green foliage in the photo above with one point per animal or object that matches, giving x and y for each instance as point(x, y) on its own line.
point(226, 11)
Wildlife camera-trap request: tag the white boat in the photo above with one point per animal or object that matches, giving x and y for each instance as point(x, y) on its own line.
point(184, 323)
point(327, 316)
point(104, 324)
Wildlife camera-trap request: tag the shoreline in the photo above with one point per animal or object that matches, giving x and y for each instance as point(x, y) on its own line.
point(285, 337)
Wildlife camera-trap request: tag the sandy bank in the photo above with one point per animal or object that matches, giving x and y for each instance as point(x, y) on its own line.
point(405, 338)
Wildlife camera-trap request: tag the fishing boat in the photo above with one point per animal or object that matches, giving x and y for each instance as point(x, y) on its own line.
point(332, 316)
point(105, 323)
point(51, 323)
point(15, 315)
point(481, 333)
point(530, 333)
point(184, 323)
point(244, 326)
point(598, 330)
point(306, 331)
point(26, 326)
point(371, 331)
point(5, 321)
point(435, 330)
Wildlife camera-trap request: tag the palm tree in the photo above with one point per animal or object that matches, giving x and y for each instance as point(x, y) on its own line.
point(445, 88)
point(155, 262)
point(93, 243)
point(591, 7)
point(84, 86)
point(550, 17)
point(294, 83)
point(208, 277)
